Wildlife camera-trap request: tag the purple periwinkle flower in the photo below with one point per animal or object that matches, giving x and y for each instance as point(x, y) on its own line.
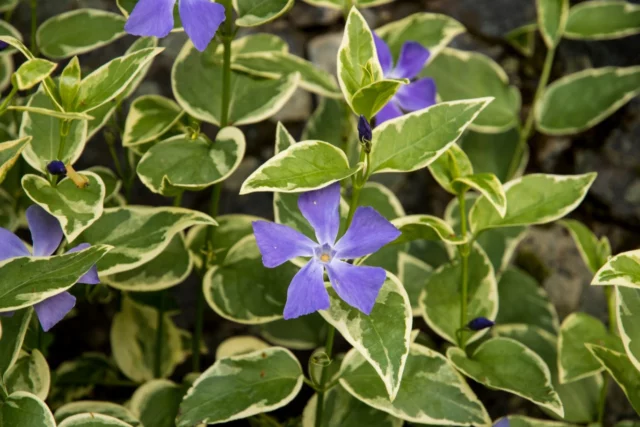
point(416, 95)
point(480, 323)
point(56, 167)
point(200, 19)
point(358, 286)
point(46, 234)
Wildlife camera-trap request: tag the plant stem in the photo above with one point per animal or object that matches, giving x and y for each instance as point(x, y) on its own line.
point(8, 99)
point(602, 402)
point(65, 125)
point(177, 201)
point(227, 38)
point(157, 360)
point(525, 132)
point(34, 27)
point(611, 307)
point(328, 347)
point(464, 280)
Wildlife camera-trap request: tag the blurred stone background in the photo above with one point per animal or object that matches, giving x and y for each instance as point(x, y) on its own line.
point(612, 149)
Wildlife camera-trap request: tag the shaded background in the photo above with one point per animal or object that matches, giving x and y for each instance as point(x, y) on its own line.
point(612, 149)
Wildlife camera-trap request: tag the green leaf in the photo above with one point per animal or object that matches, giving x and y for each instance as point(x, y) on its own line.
point(284, 139)
point(8, 5)
point(384, 336)
point(358, 65)
point(621, 270)
point(6, 70)
point(8, 218)
point(579, 398)
point(33, 72)
point(275, 65)
point(415, 140)
point(255, 43)
point(602, 20)
point(10, 152)
point(52, 113)
point(156, 403)
point(239, 345)
point(304, 166)
point(344, 410)
point(581, 100)
point(133, 341)
point(14, 329)
point(590, 248)
point(180, 163)
point(506, 364)
point(337, 113)
point(621, 369)
point(112, 183)
point(92, 420)
point(490, 187)
point(140, 44)
point(575, 361)
point(78, 31)
point(484, 78)
point(69, 82)
point(628, 320)
point(45, 131)
point(150, 117)
point(196, 79)
point(231, 291)
point(303, 333)
point(432, 30)
point(75, 379)
point(552, 19)
point(110, 80)
point(431, 392)
point(523, 39)
point(35, 279)
point(382, 200)
point(413, 274)
point(440, 297)
point(168, 269)
point(452, 164)
point(75, 208)
point(370, 99)
point(426, 227)
point(493, 153)
point(230, 229)
point(25, 409)
point(96, 407)
point(8, 30)
point(30, 373)
point(533, 199)
point(252, 13)
point(274, 377)
point(139, 233)
point(522, 421)
point(523, 300)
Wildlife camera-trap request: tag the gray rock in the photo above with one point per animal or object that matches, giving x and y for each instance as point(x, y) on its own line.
point(323, 51)
point(304, 15)
point(298, 108)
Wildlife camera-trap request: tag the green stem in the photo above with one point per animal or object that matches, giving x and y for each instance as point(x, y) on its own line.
point(328, 348)
point(227, 38)
point(177, 201)
point(611, 306)
point(602, 402)
point(197, 333)
point(8, 99)
point(525, 132)
point(157, 359)
point(464, 280)
point(65, 125)
point(34, 27)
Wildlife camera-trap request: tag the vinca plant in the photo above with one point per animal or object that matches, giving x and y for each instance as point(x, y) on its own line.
point(337, 308)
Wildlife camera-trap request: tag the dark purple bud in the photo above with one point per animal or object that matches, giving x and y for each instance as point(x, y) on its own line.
point(56, 167)
point(3, 45)
point(364, 130)
point(480, 323)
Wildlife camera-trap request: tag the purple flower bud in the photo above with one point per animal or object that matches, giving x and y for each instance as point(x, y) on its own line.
point(480, 323)
point(364, 130)
point(56, 167)
point(3, 45)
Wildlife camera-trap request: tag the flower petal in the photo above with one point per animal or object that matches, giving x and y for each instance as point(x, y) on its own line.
point(151, 18)
point(11, 246)
point(357, 285)
point(52, 310)
point(412, 58)
point(279, 243)
point(384, 54)
point(46, 232)
point(368, 232)
point(91, 276)
point(306, 293)
point(322, 209)
point(417, 95)
point(388, 112)
point(201, 19)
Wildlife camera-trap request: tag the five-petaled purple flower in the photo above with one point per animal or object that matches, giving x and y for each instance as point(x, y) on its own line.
point(200, 19)
point(356, 285)
point(416, 95)
point(46, 234)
